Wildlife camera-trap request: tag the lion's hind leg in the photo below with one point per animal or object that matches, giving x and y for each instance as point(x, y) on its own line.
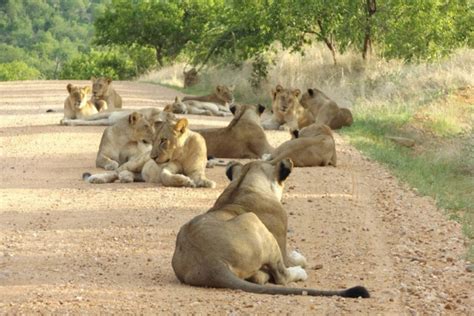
point(170, 178)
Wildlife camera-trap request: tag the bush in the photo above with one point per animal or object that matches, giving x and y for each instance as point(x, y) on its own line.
point(18, 70)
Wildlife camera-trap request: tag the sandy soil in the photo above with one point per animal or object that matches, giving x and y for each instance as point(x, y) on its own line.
point(69, 246)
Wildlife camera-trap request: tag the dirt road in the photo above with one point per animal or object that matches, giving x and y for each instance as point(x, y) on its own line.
point(69, 246)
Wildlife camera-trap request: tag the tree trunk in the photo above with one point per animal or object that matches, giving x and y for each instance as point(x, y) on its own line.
point(159, 56)
point(367, 48)
point(329, 43)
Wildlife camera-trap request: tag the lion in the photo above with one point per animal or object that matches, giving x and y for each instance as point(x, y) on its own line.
point(244, 137)
point(240, 243)
point(325, 110)
point(78, 105)
point(195, 107)
point(287, 110)
point(311, 146)
point(104, 95)
point(178, 158)
point(110, 118)
point(131, 136)
point(223, 96)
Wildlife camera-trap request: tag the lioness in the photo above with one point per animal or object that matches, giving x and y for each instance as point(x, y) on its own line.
point(195, 107)
point(104, 95)
point(78, 105)
point(311, 146)
point(131, 136)
point(244, 137)
point(110, 118)
point(324, 110)
point(240, 243)
point(178, 158)
point(287, 110)
point(222, 96)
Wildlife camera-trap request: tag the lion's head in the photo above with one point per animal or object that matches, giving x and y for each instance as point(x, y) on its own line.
point(78, 95)
point(176, 107)
point(100, 86)
point(141, 129)
point(284, 100)
point(225, 93)
point(167, 139)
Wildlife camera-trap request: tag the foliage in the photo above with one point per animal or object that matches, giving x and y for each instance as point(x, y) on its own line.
point(18, 70)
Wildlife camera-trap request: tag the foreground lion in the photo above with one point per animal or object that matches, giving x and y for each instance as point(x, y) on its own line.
point(78, 105)
point(286, 109)
point(178, 158)
point(240, 243)
point(131, 136)
point(324, 110)
point(222, 96)
point(104, 95)
point(196, 107)
point(312, 146)
point(244, 137)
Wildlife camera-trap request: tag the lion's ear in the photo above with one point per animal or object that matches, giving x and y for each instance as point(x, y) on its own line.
point(181, 125)
point(69, 87)
point(311, 92)
point(133, 118)
point(109, 80)
point(261, 108)
point(233, 109)
point(284, 169)
point(218, 88)
point(295, 133)
point(93, 78)
point(168, 108)
point(296, 92)
point(232, 170)
point(176, 99)
point(278, 88)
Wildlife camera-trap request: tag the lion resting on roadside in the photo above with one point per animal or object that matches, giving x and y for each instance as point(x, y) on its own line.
point(104, 95)
point(324, 110)
point(240, 243)
point(178, 158)
point(195, 107)
point(223, 96)
point(131, 136)
point(287, 110)
point(78, 105)
point(311, 146)
point(244, 137)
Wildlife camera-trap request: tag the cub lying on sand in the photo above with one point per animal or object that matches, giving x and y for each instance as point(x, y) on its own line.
point(78, 105)
point(287, 110)
point(240, 243)
point(178, 158)
point(196, 107)
point(244, 137)
point(324, 110)
point(311, 146)
point(104, 95)
point(223, 96)
point(131, 136)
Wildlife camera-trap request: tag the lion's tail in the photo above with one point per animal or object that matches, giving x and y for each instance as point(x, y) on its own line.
point(224, 278)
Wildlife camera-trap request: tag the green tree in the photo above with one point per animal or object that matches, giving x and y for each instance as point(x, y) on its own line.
point(18, 70)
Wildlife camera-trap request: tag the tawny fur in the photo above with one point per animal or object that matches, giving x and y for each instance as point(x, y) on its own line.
point(104, 95)
point(222, 95)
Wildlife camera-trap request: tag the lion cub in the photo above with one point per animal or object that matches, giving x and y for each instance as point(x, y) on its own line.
point(178, 158)
point(240, 243)
point(311, 146)
point(78, 105)
point(197, 107)
point(104, 95)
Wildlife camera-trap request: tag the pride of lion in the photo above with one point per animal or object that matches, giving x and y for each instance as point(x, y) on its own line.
point(240, 242)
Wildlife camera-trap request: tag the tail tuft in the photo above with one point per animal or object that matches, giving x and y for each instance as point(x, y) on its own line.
point(86, 176)
point(50, 111)
point(210, 157)
point(355, 292)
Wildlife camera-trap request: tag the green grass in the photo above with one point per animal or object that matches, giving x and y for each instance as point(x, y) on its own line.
point(445, 176)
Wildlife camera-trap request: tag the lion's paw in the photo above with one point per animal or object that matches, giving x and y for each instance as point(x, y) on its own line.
point(126, 176)
point(267, 157)
point(297, 273)
point(297, 259)
point(111, 165)
point(96, 179)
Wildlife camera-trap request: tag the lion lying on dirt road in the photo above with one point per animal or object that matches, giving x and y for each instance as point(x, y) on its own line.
point(223, 96)
point(286, 109)
point(324, 110)
point(178, 158)
point(311, 146)
point(244, 137)
point(240, 243)
point(196, 107)
point(110, 118)
point(78, 104)
point(104, 95)
point(131, 136)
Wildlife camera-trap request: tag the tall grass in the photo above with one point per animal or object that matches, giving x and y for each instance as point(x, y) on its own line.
point(432, 103)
